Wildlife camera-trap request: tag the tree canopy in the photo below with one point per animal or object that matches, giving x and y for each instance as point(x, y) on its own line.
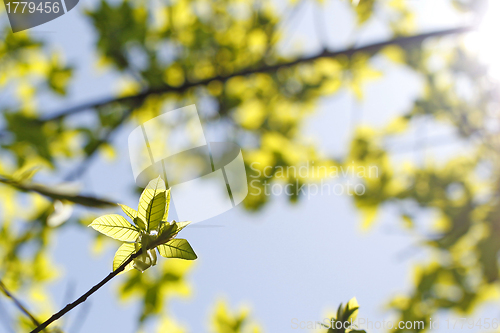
point(229, 55)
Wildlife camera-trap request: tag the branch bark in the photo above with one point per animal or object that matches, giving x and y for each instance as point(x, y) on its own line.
point(84, 297)
point(54, 194)
point(370, 48)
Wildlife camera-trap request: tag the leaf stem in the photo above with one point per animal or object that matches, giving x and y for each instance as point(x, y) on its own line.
point(84, 297)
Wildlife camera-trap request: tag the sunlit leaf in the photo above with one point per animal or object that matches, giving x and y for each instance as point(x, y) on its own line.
point(165, 216)
point(181, 225)
point(124, 252)
point(140, 223)
point(167, 231)
point(177, 248)
point(132, 213)
point(152, 203)
point(116, 226)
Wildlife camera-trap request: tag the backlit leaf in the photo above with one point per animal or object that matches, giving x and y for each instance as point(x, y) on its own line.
point(116, 226)
point(165, 216)
point(167, 231)
point(140, 223)
point(152, 203)
point(132, 213)
point(177, 248)
point(181, 225)
point(124, 252)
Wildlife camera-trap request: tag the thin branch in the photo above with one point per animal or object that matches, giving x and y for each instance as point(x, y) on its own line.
point(84, 297)
point(19, 305)
point(371, 48)
point(58, 195)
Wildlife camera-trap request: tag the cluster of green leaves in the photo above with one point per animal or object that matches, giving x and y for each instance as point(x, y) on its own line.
point(150, 232)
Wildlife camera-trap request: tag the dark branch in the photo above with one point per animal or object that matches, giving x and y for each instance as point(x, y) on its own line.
point(58, 195)
point(18, 304)
point(84, 297)
point(371, 48)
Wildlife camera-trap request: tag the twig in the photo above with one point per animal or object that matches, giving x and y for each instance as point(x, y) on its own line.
point(58, 195)
point(19, 305)
point(84, 297)
point(371, 48)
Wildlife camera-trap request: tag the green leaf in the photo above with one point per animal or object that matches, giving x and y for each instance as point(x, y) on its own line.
point(177, 248)
point(140, 223)
point(181, 225)
point(152, 204)
point(165, 216)
point(169, 230)
point(124, 252)
point(116, 226)
point(132, 213)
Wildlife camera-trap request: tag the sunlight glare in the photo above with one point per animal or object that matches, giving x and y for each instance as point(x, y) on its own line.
point(484, 41)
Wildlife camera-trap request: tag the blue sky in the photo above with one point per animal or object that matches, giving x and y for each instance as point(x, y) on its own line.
point(286, 261)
